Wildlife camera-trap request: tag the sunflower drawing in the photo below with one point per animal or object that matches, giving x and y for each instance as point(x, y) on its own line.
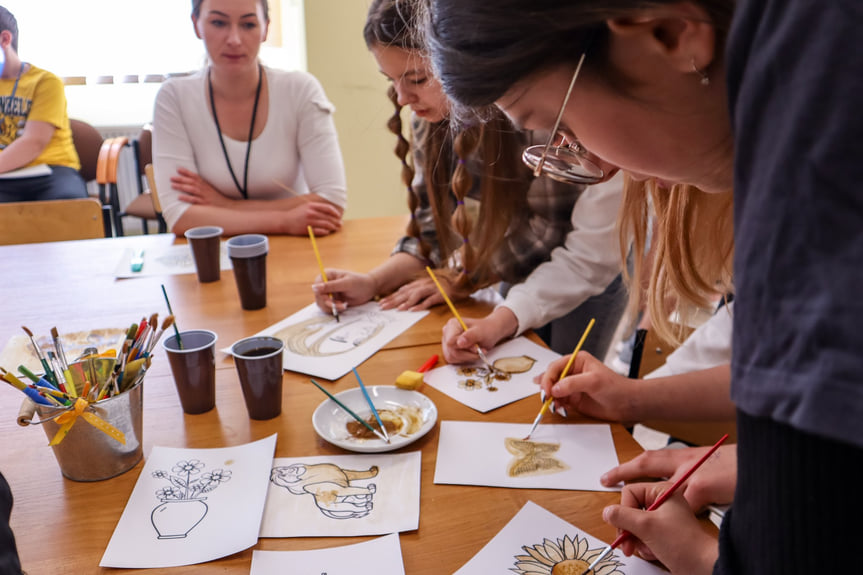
point(567, 556)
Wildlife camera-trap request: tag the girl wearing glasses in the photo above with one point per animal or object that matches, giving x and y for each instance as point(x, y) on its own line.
point(241, 145)
point(720, 95)
point(478, 213)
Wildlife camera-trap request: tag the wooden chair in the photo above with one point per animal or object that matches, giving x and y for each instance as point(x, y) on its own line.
point(88, 142)
point(154, 197)
point(144, 206)
point(106, 178)
point(50, 221)
point(653, 355)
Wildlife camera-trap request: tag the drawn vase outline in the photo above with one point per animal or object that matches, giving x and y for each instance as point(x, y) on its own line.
point(174, 519)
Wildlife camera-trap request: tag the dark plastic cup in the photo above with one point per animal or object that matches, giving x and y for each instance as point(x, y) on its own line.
point(205, 243)
point(194, 368)
point(259, 365)
point(248, 255)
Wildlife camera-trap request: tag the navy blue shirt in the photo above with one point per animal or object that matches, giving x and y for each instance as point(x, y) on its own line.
point(9, 563)
point(795, 85)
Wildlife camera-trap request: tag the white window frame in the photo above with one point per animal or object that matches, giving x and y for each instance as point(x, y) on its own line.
point(113, 54)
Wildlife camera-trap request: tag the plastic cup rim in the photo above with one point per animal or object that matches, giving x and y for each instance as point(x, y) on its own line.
point(247, 246)
point(254, 357)
point(203, 232)
point(173, 336)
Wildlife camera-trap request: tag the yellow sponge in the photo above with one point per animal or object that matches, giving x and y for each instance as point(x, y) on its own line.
point(414, 379)
point(409, 380)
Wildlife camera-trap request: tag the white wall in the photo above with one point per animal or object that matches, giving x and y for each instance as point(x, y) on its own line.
point(337, 55)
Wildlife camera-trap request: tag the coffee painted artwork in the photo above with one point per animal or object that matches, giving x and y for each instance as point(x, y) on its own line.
point(508, 377)
point(318, 345)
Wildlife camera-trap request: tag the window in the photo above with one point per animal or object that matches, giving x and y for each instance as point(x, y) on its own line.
point(113, 54)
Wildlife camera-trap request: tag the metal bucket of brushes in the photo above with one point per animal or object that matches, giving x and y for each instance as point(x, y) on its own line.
point(86, 452)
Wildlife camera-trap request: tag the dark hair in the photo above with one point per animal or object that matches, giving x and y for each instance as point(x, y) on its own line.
point(8, 22)
point(392, 23)
point(504, 184)
point(480, 49)
point(196, 8)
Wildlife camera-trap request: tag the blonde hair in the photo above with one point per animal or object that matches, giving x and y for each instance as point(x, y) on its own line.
point(691, 252)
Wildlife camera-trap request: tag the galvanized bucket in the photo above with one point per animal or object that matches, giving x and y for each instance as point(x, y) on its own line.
point(88, 454)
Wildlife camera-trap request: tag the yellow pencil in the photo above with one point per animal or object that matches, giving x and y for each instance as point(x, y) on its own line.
point(563, 374)
point(323, 273)
point(458, 317)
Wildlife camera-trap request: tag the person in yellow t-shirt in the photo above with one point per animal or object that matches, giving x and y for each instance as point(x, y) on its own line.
point(38, 160)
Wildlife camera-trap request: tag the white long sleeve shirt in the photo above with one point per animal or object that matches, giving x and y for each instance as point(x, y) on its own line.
point(582, 267)
point(298, 147)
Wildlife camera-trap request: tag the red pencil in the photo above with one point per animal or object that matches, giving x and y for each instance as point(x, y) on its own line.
point(659, 501)
point(429, 364)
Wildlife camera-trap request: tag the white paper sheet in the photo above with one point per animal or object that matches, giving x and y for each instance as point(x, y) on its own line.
point(19, 349)
point(319, 346)
point(28, 172)
point(193, 505)
point(569, 456)
point(343, 495)
point(381, 556)
point(477, 387)
point(535, 541)
point(166, 260)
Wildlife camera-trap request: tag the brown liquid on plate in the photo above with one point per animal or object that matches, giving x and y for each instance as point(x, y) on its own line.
point(392, 423)
point(404, 420)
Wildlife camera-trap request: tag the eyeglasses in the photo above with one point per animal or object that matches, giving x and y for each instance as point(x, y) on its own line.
point(567, 163)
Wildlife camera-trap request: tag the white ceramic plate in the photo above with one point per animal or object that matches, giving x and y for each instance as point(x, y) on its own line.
point(417, 411)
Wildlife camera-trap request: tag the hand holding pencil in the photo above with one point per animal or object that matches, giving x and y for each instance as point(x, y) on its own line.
point(670, 533)
point(323, 271)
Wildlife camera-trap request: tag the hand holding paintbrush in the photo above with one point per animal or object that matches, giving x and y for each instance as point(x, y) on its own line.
point(323, 272)
point(547, 403)
point(455, 313)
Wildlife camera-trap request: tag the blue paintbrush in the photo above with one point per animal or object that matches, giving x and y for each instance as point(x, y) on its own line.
point(372, 405)
point(348, 410)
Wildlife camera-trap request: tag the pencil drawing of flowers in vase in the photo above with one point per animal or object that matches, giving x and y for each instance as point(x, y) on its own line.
point(182, 504)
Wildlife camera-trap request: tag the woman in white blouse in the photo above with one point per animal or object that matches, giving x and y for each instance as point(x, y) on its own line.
point(243, 146)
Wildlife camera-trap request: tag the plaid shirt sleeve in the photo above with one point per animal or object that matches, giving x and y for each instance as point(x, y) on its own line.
point(422, 214)
point(538, 229)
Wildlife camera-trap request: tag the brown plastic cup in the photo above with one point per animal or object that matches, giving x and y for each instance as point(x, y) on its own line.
point(194, 368)
point(205, 243)
point(248, 255)
point(259, 365)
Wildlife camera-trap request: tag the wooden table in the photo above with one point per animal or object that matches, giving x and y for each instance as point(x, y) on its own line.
point(63, 526)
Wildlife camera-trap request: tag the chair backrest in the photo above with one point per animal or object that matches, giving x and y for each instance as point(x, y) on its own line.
point(88, 141)
point(144, 145)
point(151, 183)
point(50, 221)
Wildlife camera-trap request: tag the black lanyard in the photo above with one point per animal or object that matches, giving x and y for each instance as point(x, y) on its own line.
point(245, 188)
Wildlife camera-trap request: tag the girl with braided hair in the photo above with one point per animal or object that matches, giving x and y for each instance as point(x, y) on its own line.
point(480, 217)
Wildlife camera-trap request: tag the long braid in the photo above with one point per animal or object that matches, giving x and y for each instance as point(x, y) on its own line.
point(402, 152)
point(464, 145)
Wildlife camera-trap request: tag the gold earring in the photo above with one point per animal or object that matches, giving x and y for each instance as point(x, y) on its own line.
point(705, 79)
